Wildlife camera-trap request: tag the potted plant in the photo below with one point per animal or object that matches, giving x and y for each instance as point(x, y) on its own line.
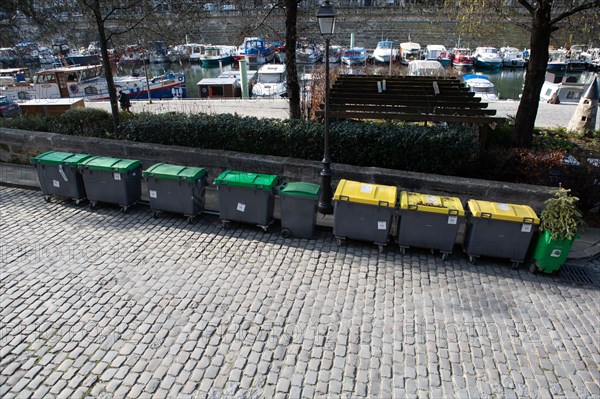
point(561, 224)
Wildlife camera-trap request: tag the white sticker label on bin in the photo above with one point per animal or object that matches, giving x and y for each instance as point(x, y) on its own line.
point(452, 219)
point(556, 253)
point(56, 183)
point(382, 225)
point(62, 173)
point(503, 207)
point(432, 199)
point(152, 193)
point(526, 228)
point(116, 176)
point(366, 188)
point(241, 207)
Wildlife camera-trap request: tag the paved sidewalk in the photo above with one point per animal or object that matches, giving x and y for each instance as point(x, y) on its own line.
point(100, 304)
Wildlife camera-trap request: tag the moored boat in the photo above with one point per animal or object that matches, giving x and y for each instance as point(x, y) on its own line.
point(256, 51)
point(481, 86)
point(512, 57)
point(308, 53)
point(385, 50)
point(88, 82)
point(557, 61)
point(462, 58)
point(355, 56)
point(437, 52)
point(568, 89)
point(487, 58)
point(270, 81)
point(217, 55)
point(409, 51)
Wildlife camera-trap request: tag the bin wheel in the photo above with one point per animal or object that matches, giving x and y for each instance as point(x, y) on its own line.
point(92, 205)
point(340, 242)
point(285, 233)
point(155, 214)
point(381, 247)
point(515, 265)
point(224, 224)
point(190, 219)
point(78, 201)
point(472, 260)
point(533, 268)
point(124, 209)
point(432, 251)
point(403, 250)
point(444, 257)
point(264, 228)
point(47, 198)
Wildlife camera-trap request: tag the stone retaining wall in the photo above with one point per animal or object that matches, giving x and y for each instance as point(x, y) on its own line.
point(18, 146)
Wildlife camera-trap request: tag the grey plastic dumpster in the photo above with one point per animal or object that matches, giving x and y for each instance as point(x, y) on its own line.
point(178, 189)
point(429, 221)
point(59, 175)
point(298, 209)
point(499, 230)
point(246, 197)
point(112, 180)
point(363, 211)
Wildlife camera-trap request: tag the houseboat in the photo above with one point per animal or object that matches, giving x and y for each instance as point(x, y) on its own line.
point(217, 55)
point(409, 51)
point(568, 88)
point(487, 58)
point(256, 51)
point(385, 50)
point(88, 82)
point(437, 52)
point(462, 58)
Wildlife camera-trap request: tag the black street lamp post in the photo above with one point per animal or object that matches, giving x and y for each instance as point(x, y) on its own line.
point(326, 18)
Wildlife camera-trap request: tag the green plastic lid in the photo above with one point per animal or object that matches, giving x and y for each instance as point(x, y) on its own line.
point(60, 158)
point(245, 179)
point(300, 189)
point(111, 164)
point(175, 172)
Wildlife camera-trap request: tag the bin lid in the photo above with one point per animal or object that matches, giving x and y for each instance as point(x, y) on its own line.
point(431, 203)
point(112, 164)
point(175, 172)
point(501, 211)
point(366, 193)
point(300, 189)
point(60, 158)
point(246, 179)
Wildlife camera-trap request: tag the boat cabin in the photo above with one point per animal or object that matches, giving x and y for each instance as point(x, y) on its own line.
point(64, 82)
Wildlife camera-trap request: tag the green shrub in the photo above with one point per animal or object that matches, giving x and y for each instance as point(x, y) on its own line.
point(91, 122)
point(36, 123)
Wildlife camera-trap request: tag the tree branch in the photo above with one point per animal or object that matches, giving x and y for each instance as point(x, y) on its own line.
point(582, 7)
point(527, 6)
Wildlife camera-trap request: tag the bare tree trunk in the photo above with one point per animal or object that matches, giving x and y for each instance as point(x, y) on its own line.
point(291, 37)
point(107, 68)
point(534, 79)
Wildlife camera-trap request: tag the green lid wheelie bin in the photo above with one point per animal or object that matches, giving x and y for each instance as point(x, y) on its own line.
point(429, 221)
point(499, 230)
point(363, 211)
point(112, 180)
point(59, 175)
point(298, 202)
point(177, 189)
point(246, 197)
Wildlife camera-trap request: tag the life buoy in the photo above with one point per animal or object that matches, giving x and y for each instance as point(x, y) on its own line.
point(180, 78)
point(74, 88)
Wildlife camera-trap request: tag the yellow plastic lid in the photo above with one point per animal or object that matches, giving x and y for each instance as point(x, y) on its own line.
point(366, 193)
point(431, 203)
point(501, 211)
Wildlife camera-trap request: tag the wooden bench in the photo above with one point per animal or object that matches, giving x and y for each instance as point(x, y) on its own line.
point(411, 99)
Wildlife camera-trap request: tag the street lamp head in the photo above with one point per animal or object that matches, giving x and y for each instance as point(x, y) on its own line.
point(326, 18)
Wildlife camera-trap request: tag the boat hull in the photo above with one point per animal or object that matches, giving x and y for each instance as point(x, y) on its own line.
point(488, 64)
point(214, 62)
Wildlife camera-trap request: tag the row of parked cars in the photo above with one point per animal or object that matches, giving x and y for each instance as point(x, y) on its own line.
point(362, 211)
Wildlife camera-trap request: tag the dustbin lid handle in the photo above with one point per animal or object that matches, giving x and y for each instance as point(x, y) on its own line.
point(528, 220)
point(452, 212)
point(384, 203)
point(344, 198)
point(413, 207)
point(486, 215)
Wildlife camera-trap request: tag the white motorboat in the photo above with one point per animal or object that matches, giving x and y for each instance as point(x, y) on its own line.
point(271, 81)
point(481, 86)
point(385, 50)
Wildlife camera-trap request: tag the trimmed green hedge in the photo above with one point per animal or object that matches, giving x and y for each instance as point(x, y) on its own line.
point(439, 149)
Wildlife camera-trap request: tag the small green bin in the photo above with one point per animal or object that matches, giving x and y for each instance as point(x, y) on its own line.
point(246, 197)
point(177, 189)
point(298, 202)
point(112, 180)
point(550, 254)
point(59, 175)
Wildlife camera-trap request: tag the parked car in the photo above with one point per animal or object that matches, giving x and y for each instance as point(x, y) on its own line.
point(8, 107)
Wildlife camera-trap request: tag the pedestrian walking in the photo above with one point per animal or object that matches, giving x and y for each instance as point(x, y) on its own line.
point(124, 101)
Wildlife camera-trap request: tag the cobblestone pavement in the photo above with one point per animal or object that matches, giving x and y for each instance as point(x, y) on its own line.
point(108, 305)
